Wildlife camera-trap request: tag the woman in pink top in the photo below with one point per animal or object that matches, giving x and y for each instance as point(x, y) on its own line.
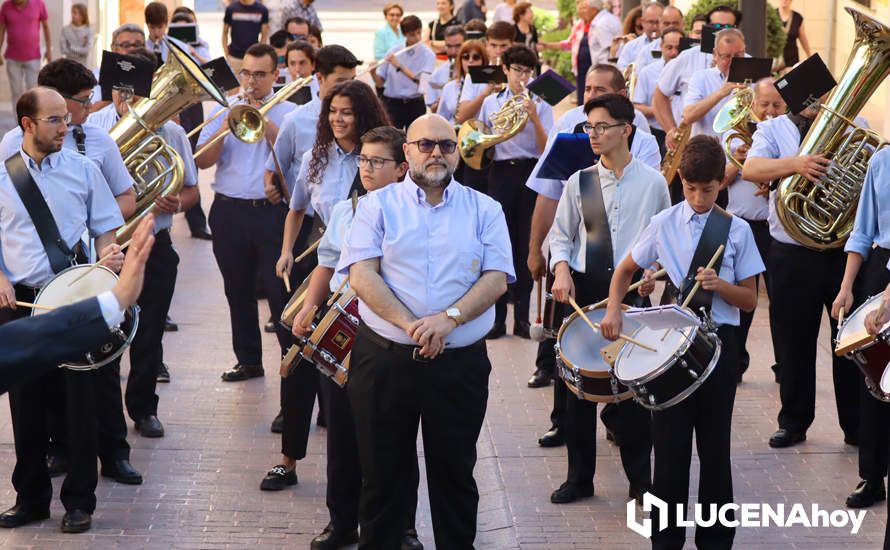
point(20, 21)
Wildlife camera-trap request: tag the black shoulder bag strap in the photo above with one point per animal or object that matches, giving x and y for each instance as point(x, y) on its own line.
point(60, 256)
point(599, 258)
point(715, 233)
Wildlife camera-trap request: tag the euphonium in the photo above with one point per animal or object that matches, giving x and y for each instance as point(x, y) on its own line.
point(820, 214)
point(508, 121)
point(156, 168)
point(737, 115)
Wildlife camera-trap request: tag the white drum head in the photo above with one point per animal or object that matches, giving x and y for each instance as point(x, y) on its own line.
point(853, 330)
point(885, 380)
point(60, 291)
point(635, 362)
point(581, 346)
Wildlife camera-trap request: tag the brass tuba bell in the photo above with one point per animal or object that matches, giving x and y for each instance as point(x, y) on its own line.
point(156, 168)
point(737, 115)
point(474, 143)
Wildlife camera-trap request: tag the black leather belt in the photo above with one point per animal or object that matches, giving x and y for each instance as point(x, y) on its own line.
point(413, 351)
point(255, 203)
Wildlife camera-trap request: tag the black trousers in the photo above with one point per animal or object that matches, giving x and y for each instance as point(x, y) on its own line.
point(874, 414)
point(402, 112)
point(343, 467)
point(762, 239)
point(660, 137)
point(247, 238)
point(475, 179)
point(190, 119)
point(390, 394)
point(506, 184)
point(707, 412)
point(28, 407)
point(804, 282)
point(147, 349)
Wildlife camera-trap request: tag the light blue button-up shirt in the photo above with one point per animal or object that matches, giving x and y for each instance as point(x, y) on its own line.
point(339, 173)
point(872, 223)
point(77, 196)
point(743, 201)
point(671, 239)
point(419, 59)
point(100, 148)
point(647, 79)
point(430, 256)
point(295, 136)
point(629, 201)
point(524, 144)
point(241, 166)
point(437, 82)
point(702, 84)
point(161, 46)
point(643, 147)
point(677, 72)
point(333, 239)
point(448, 101)
point(631, 50)
point(644, 55)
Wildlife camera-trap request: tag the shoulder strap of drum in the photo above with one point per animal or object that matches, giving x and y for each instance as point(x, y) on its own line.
point(715, 233)
point(60, 256)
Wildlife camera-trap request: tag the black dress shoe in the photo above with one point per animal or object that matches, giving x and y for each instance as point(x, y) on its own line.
point(122, 472)
point(569, 492)
point(410, 540)
point(540, 379)
point(20, 515)
point(637, 493)
point(278, 423)
point(520, 329)
point(331, 539)
point(56, 465)
point(76, 521)
point(202, 234)
point(852, 440)
point(150, 426)
point(278, 478)
point(552, 438)
point(242, 372)
point(269, 326)
point(866, 494)
point(498, 330)
point(163, 375)
point(170, 326)
point(777, 369)
point(785, 438)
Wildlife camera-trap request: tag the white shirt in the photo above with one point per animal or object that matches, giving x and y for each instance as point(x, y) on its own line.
point(176, 138)
point(630, 202)
point(603, 28)
point(631, 50)
point(333, 240)
point(647, 79)
point(336, 181)
point(503, 12)
point(643, 147)
point(702, 84)
point(100, 149)
point(644, 56)
point(419, 59)
point(742, 200)
point(470, 90)
point(295, 136)
point(241, 166)
point(430, 256)
point(524, 144)
point(77, 197)
point(671, 239)
point(436, 82)
point(675, 76)
point(448, 101)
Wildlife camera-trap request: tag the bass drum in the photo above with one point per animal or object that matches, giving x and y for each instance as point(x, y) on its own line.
point(75, 284)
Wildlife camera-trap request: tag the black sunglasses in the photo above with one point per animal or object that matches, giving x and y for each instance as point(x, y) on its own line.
point(427, 146)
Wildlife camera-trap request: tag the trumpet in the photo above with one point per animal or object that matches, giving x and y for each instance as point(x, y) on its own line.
point(248, 123)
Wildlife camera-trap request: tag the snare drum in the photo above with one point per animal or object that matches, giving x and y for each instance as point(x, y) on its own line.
point(684, 359)
point(580, 363)
point(295, 304)
point(870, 353)
point(61, 290)
point(330, 344)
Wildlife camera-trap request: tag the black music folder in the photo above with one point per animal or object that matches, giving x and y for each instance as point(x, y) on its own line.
point(184, 32)
point(686, 43)
point(568, 154)
point(221, 74)
point(749, 69)
point(125, 71)
point(708, 36)
point(551, 87)
point(488, 74)
point(805, 83)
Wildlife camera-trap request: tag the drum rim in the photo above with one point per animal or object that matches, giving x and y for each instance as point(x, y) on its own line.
point(296, 297)
point(134, 313)
point(865, 342)
point(611, 399)
point(566, 322)
point(58, 275)
point(678, 353)
point(689, 390)
point(593, 373)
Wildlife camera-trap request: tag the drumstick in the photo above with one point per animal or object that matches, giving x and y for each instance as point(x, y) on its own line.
point(308, 319)
point(307, 252)
point(697, 284)
point(33, 306)
point(540, 297)
point(338, 291)
point(840, 316)
point(286, 280)
point(98, 263)
point(596, 326)
point(632, 287)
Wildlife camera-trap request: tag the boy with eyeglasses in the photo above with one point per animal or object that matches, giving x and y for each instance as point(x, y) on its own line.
point(514, 160)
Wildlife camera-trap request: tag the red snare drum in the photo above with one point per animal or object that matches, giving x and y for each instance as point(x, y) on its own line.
point(870, 353)
point(330, 344)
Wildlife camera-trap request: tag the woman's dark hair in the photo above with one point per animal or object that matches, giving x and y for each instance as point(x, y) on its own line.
point(369, 113)
point(156, 14)
point(67, 76)
point(703, 160)
point(520, 55)
point(619, 107)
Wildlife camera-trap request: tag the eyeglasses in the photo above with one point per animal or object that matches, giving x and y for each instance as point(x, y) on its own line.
point(446, 146)
point(55, 120)
point(85, 102)
point(521, 71)
point(600, 128)
point(258, 75)
point(471, 57)
point(375, 163)
point(130, 45)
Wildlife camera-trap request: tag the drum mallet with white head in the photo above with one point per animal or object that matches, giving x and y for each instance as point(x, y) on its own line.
point(536, 330)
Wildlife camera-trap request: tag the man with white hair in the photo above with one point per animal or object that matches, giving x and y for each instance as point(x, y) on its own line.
point(650, 20)
point(709, 89)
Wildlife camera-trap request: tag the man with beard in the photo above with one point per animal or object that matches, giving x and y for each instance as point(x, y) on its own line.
point(428, 258)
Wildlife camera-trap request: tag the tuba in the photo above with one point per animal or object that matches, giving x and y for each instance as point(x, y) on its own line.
point(820, 215)
point(156, 168)
point(508, 121)
point(737, 115)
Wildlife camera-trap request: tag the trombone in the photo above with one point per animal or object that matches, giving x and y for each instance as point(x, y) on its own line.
point(248, 123)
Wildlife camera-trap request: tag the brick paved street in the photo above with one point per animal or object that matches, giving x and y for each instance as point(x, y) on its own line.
point(201, 480)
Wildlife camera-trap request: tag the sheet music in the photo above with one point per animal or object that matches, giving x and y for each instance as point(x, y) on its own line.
point(663, 317)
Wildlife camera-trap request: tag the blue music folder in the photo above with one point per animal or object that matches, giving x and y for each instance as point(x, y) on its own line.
point(569, 153)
